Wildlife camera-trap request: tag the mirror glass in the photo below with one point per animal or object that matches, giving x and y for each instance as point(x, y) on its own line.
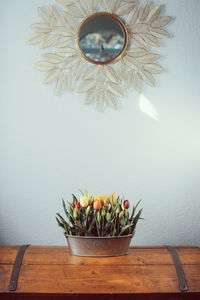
point(102, 38)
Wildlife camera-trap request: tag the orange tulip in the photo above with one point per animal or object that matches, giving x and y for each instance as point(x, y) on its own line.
point(97, 204)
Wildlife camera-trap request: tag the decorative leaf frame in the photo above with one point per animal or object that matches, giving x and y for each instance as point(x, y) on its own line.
point(65, 65)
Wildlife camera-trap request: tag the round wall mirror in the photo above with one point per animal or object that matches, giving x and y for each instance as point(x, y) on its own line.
point(102, 38)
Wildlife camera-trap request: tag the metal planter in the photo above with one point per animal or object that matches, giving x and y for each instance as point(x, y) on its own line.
point(99, 246)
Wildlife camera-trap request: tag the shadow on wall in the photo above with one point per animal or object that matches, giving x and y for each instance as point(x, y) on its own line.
point(6, 233)
point(2, 233)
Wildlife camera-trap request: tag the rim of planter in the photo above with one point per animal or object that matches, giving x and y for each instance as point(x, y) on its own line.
point(99, 237)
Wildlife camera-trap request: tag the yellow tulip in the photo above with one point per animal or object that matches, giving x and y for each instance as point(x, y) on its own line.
point(102, 198)
point(84, 201)
point(97, 197)
point(112, 198)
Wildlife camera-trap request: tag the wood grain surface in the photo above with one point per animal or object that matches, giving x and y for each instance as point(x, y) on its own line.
point(51, 271)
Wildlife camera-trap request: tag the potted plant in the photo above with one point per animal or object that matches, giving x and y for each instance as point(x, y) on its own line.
point(99, 225)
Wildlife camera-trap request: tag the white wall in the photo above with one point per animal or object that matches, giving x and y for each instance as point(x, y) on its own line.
point(52, 146)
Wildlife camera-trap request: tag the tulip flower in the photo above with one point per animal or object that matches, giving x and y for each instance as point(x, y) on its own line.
point(126, 212)
point(78, 205)
point(84, 201)
point(88, 196)
point(104, 200)
point(100, 215)
point(103, 213)
point(97, 204)
point(112, 197)
point(108, 217)
point(75, 213)
point(87, 210)
point(117, 210)
point(121, 214)
point(126, 204)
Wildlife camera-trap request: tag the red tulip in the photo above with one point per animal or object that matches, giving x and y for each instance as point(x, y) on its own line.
point(126, 204)
point(73, 204)
point(78, 205)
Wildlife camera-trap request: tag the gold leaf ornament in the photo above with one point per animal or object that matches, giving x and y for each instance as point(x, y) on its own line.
point(41, 27)
point(44, 66)
point(103, 84)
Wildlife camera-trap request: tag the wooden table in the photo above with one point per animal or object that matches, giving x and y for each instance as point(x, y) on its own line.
point(51, 272)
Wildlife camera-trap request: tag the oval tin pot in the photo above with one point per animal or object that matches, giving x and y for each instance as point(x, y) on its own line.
point(99, 246)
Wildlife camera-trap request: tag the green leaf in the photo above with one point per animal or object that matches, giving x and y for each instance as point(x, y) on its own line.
point(122, 221)
point(98, 217)
point(71, 219)
point(137, 217)
point(124, 228)
point(97, 225)
point(66, 224)
point(64, 207)
point(114, 231)
point(91, 225)
point(59, 223)
point(63, 223)
point(75, 200)
point(134, 209)
point(82, 229)
point(75, 213)
point(62, 219)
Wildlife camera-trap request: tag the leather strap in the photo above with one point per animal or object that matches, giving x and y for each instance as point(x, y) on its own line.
point(179, 269)
point(16, 268)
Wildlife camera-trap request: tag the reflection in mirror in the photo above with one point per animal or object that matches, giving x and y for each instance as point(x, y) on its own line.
point(102, 38)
